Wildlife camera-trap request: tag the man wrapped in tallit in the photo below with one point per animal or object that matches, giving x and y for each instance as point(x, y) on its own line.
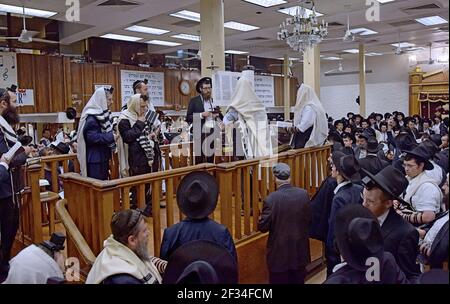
point(310, 121)
point(249, 114)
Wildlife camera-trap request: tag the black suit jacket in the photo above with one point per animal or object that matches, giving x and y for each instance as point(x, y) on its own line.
point(195, 106)
point(372, 164)
point(401, 239)
point(286, 216)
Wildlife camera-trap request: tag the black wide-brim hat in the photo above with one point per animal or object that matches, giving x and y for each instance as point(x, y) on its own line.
point(214, 254)
point(421, 153)
point(347, 166)
point(358, 236)
point(197, 194)
point(389, 180)
point(61, 147)
point(201, 82)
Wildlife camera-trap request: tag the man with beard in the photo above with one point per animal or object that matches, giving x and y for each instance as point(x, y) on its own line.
point(125, 258)
point(12, 157)
point(201, 110)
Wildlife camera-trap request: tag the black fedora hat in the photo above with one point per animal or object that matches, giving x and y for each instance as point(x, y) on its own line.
point(71, 113)
point(217, 256)
point(201, 82)
point(198, 272)
point(197, 194)
point(358, 236)
point(372, 145)
point(367, 133)
point(347, 166)
point(420, 153)
point(61, 148)
point(405, 142)
point(389, 180)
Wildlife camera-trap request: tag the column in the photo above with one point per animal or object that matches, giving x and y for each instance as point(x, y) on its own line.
point(362, 79)
point(212, 35)
point(287, 89)
point(311, 68)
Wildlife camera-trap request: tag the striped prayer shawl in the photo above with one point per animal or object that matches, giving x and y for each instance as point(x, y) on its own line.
point(7, 130)
point(106, 124)
point(144, 140)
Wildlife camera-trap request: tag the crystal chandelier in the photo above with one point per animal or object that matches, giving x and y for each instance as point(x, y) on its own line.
point(303, 31)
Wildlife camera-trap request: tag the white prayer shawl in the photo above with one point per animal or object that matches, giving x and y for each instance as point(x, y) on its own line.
point(414, 185)
point(131, 114)
point(307, 96)
point(8, 130)
point(117, 258)
point(252, 119)
point(32, 266)
point(97, 105)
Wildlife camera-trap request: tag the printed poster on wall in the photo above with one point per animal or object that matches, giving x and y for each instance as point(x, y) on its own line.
point(224, 84)
point(25, 97)
point(155, 85)
point(8, 69)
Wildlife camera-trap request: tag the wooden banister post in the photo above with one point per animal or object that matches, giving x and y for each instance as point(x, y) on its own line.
point(225, 177)
point(105, 205)
point(34, 173)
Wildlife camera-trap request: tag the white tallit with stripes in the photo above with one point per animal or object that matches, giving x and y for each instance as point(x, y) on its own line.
point(116, 259)
point(10, 137)
point(131, 113)
point(98, 107)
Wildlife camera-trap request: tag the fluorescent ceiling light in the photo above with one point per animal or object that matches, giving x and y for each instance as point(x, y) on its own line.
point(240, 26)
point(332, 58)
point(363, 31)
point(293, 11)
point(290, 58)
point(187, 37)
point(187, 15)
point(434, 20)
point(385, 1)
point(403, 44)
point(164, 43)
point(352, 51)
point(28, 11)
point(266, 3)
point(121, 37)
point(234, 52)
point(373, 54)
point(146, 30)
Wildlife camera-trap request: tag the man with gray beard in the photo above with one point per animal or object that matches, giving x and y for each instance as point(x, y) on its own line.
point(125, 258)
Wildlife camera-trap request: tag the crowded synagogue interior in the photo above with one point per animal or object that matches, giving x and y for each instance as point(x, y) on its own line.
point(224, 142)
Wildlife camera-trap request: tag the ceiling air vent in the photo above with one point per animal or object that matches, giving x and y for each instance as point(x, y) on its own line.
point(186, 23)
point(257, 39)
point(117, 3)
point(335, 24)
point(403, 23)
point(421, 8)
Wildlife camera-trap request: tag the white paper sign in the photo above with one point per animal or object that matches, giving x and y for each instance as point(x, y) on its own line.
point(224, 84)
point(25, 97)
point(8, 69)
point(155, 85)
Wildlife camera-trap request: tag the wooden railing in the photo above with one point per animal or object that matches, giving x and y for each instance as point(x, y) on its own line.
point(31, 206)
point(243, 186)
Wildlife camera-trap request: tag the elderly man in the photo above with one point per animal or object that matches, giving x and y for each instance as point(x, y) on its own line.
point(400, 237)
point(125, 258)
point(422, 194)
point(286, 216)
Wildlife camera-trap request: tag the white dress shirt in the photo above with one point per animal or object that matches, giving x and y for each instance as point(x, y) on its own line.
point(308, 117)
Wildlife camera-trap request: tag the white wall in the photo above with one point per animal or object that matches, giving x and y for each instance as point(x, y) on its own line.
point(387, 87)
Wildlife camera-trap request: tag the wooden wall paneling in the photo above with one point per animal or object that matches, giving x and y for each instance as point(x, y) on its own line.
point(88, 81)
point(67, 84)
point(25, 77)
point(171, 92)
point(41, 84)
point(56, 85)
